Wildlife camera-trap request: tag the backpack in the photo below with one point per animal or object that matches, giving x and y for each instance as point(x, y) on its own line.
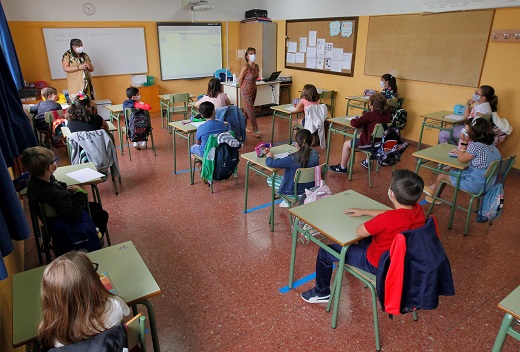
point(138, 126)
point(226, 160)
point(492, 204)
point(399, 118)
point(391, 148)
point(74, 235)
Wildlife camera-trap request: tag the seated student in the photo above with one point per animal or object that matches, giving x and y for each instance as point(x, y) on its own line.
point(214, 95)
point(82, 116)
point(211, 126)
point(309, 96)
point(484, 101)
point(379, 112)
point(480, 153)
point(68, 201)
point(389, 85)
point(75, 304)
point(132, 93)
point(379, 232)
point(51, 97)
point(305, 156)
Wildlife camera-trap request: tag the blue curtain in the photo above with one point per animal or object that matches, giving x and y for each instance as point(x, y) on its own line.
point(6, 43)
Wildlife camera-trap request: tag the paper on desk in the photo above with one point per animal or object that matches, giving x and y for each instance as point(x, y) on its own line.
point(454, 117)
point(290, 108)
point(281, 155)
point(85, 175)
point(197, 124)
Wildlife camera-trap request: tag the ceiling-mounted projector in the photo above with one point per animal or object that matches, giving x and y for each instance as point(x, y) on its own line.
point(196, 5)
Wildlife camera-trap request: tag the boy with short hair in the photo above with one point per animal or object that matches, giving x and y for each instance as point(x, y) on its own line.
point(132, 93)
point(211, 126)
point(404, 192)
point(49, 104)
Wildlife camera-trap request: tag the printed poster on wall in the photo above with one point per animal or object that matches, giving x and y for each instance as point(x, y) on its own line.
point(303, 45)
point(346, 29)
point(334, 28)
point(312, 38)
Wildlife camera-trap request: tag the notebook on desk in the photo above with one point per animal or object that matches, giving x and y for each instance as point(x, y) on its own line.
point(273, 76)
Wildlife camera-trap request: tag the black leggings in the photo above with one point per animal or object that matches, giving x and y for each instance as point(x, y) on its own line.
point(99, 216)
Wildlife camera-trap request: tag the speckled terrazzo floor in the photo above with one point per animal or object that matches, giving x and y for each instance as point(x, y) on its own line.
point(220, 270)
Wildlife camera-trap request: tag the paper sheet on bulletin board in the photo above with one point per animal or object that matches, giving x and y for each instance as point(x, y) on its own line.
point(326, 45)
point(446, 48)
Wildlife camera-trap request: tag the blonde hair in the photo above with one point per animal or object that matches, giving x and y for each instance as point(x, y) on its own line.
point(37, 159)
point(72, 301)
point(48, 91)
point(247, 52)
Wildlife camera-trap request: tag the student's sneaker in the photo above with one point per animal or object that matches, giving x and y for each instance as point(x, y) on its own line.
point(429, 199)
point(310, 296)
point(364, 163)
point(284, 204)
point(338, 169)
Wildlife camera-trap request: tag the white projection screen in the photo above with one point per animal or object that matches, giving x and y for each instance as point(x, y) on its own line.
point(189, 50)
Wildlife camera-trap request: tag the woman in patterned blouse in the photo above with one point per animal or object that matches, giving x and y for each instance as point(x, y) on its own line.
point(78, 67)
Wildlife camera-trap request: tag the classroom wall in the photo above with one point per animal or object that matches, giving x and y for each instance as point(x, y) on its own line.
point(500, 70)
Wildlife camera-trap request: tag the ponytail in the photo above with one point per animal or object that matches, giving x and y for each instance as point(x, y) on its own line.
point(304, 140)
point(391, 81)
point(491, 98)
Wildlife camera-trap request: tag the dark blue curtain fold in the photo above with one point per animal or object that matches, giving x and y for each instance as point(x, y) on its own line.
point(7, 45)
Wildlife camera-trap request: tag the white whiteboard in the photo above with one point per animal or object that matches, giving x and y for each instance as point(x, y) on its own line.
point(189, 50)
point(113, 51)
point(462, 5)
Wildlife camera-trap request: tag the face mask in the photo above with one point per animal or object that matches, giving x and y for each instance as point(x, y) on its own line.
point(138, 97)
point(252, 57)
point(79, 49)
point(476, 97)
point(389, 190)
point(382, 84)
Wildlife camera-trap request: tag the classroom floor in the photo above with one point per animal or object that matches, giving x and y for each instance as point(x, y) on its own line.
point(221, 271)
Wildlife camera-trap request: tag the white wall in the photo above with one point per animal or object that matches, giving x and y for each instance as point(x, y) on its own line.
point(123, 10)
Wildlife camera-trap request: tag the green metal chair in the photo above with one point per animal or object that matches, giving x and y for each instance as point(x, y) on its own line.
point(135, 333)
point(177, 105)
point(128, 113)
point(498, 169)
point(331, 105)
point(377, 133)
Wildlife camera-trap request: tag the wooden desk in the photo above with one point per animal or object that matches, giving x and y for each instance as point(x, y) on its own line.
point(116, 113)
point(357, 102)
point(438, 154)
point(183, 129)
point(510, 305)
point(258, 165)
point(437, 120)
point(326, 215)
point(127, 271)
point(267, 93)
point(284, 112)
point(341, 125)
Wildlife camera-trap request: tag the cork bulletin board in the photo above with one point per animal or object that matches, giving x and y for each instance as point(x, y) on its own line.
point(326, 45)
point(446, 48)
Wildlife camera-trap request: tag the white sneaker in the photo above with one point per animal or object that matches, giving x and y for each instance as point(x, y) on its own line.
point(283, 204)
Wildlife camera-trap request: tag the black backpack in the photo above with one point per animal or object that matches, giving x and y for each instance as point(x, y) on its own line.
point(226, 160)
point(138, 126)
point(391, 148)
point(68, 235)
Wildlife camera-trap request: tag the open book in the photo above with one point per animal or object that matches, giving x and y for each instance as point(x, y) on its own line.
point(105, 280)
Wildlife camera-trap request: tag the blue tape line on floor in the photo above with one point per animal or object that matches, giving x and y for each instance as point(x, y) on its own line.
point(183, 171)
point(301, 281)
point(423, 202)
point(250, 210)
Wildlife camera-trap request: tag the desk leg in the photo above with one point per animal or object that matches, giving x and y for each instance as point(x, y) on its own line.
point(352, 160)
point(328, 148)
point(120, 132)
point(271, 217)
point(290, 128)
point(174, 151)
point(272, 127)
point(454, 201)
point(419, 162)
point(502, 332)
point(153, 323)
point(341, 267)
point(293, 252)
point(192, 171)
point(348, 105)
point(421, 134)
point(246, 186)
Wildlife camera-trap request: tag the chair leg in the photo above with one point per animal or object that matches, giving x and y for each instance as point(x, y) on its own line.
point(153, 144)
point(414, 315)
point(107, 235)
point(374, 311)
point(153, 323)
point(468, 216)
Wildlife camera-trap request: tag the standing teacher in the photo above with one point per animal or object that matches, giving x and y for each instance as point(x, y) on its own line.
point(78, 67)
point(247, 81)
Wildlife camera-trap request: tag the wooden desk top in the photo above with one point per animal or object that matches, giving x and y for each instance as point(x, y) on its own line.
point(326, 215)
point(184, 125)
point(441, 116)
point(511, 304)
point(122, 262)
point(258, 83)
point(118, 108)
point(343, 121)
point(286, 108)
point(60, 173)
point(111, 126)
point(167, 96)
point(439, 154)
point(363, 98)
point(251, 156)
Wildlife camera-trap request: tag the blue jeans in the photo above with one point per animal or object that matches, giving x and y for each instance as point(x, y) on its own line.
point(356, 256)
point(196, 149)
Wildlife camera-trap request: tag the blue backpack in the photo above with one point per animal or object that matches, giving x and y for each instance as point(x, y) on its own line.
point(492, 204)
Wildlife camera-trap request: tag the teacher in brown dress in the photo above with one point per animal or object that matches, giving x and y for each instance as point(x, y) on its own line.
point(78, 67)
point(247, 82)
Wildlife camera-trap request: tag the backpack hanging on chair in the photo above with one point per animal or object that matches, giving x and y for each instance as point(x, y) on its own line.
point(399, 118)
point(391, 147)
point(138, 126)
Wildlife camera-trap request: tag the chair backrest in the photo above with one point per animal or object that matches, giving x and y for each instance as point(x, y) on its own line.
point(486, 117)
point(128, 113)
point(377, 133)
point(331, 105)
point(306, 175)
point(50, 116)
point(505, 166)
point(135, 332)
point(180, 98)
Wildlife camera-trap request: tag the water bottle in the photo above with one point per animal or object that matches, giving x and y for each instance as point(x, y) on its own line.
point(234, 78)
point(66, 94)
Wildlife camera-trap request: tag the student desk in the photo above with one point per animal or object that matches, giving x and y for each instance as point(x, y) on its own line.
point(341, 125)
point(326, 215)
point(116, 113)
point(267, 93)
point(438, 120)
point(258, 165)
point(183, 129)
point(510, 305)
point(357, 102)
point(127, 271)
point(284, 112)
point(438, 154)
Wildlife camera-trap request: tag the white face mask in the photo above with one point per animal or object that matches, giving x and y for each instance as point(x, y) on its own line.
point(79, 49)
point(138, 97)
point(389, 193)
point(382, 84)
point(476, 97)
point(252, 57)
